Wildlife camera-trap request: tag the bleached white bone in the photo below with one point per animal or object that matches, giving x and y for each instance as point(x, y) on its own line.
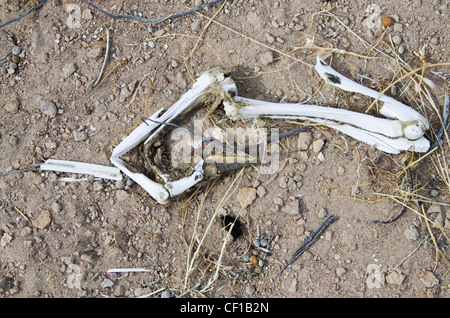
point(180, 186)
point(385, 134)
point(212, 81)
point(403, 132)
point(415, 123)
point(98, 171)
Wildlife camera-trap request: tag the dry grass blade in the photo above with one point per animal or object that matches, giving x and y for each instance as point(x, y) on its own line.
point(196, 242)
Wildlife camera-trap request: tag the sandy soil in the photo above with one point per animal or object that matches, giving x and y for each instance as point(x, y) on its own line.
point(59, 239)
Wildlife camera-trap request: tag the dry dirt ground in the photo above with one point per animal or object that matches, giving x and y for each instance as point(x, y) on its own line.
point(59, 239)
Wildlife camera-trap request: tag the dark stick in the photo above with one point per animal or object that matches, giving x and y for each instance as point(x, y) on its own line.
point(157, 20)
point(309, 241)
point(24, 14)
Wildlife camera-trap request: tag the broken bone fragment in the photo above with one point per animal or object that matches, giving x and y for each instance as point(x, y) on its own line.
point(180, 186)
point(98, 171)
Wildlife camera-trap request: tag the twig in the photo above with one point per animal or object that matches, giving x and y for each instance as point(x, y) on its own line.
point(20, 16)
point(410, 254)
point(395, 218)
point(203, 32)
point(309, 241)
point(13, 172)
point(107, 74)
point(89, 88)
point(156, 20)
point(445, 123)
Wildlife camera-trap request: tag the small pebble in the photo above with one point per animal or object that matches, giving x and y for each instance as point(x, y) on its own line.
point(48, 108)
point(16, 50)
point(254, 259)
point(386, 21)
point(79, 135)
point(397, 39)
point(245, 258)
point(107, 283)
point(165, 294)
point(15, 59)
point(263, 242)
point(68, 69)
point(257, 242)
point(250, 290)
point(434, 41)
point(12, 106)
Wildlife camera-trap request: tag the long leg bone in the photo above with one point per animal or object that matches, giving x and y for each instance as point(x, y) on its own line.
point(97, 171)
point(405, 132)
point(415, 124)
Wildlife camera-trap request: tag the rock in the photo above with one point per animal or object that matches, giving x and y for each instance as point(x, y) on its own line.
point(141, 291)
point(107, 283)
point(397, 39)
point(165, 294)
point(74, 17)
point(250, 290)
point(304, 140)
point(48, 108)
point(317, 145)
point(196, 25)
point(428, 279)
point(43, 220)
point(246, 196)
point(395, 278)
point(56, 208)
point(340, 271)
point(375, 277)
point(79, 135)
point(74, 279)
point(293, 287)
point(411, 233)
point(124, 94)
point(87, 14)
point(261, 191)
point(322, 213)
point(292, 208)
point(282, 182)
point(119, 291)
point(68, 69)
point(267, 58)
point(12, 106)
point(6, 238)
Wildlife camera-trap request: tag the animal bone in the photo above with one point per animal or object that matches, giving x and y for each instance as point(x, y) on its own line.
point(97, 171)
point(209, 87)
point(403, 130)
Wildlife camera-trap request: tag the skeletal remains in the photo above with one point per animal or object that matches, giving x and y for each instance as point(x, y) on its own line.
point(403, 129)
